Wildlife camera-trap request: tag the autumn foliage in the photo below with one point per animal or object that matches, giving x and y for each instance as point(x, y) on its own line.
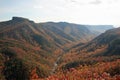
point(99, 71)
point(33, 74)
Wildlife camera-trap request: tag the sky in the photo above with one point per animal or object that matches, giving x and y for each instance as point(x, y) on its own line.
point(73, 11)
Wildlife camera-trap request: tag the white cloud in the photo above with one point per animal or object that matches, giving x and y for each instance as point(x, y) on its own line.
point(96, 2)
point(37, 7)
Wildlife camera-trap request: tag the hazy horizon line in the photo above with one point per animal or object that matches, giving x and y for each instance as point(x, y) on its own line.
point(114, 25)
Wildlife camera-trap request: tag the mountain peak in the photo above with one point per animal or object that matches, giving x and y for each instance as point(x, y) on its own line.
point(19, 18)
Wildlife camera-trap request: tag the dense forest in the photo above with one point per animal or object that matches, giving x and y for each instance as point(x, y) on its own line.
point(58, 51)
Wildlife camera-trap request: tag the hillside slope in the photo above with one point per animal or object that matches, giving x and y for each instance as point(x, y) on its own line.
point(98, 59)
point(109, 40)
point(105, 47)
point(32, 47)
point(29, 50)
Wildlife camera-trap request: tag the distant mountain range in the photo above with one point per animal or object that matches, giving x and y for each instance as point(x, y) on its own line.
point(29, 45)
point(99, 28)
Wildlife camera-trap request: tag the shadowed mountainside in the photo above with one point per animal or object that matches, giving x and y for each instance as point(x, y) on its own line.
point(110, 40)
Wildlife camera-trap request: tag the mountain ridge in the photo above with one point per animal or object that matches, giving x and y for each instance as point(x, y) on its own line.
point(31, 45)
point(37, 46)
